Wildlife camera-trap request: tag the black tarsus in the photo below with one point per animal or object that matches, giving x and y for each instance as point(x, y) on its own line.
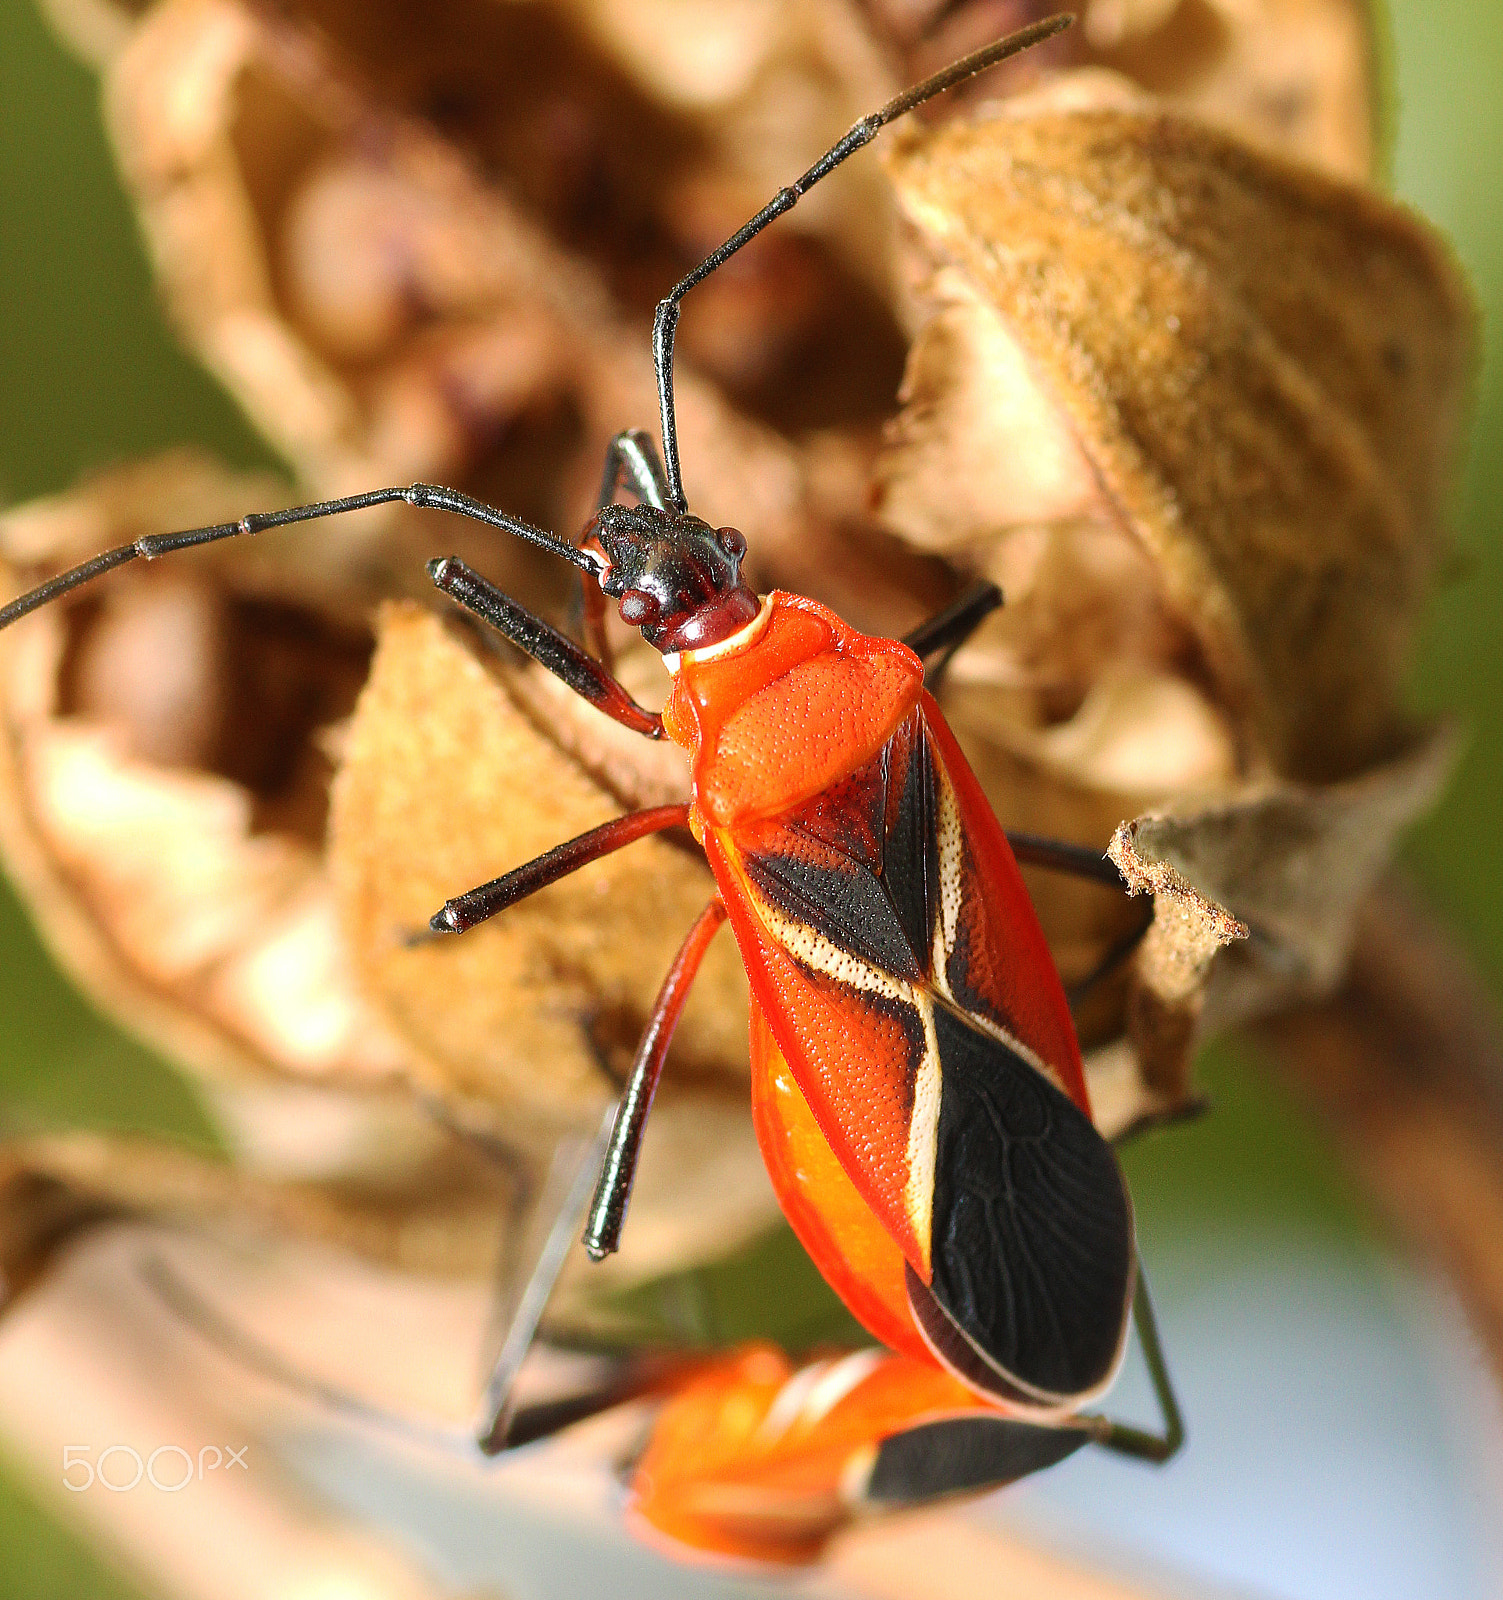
point(429, 496)
point(665, 322)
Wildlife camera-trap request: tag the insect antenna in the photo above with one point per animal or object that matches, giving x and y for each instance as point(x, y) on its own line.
point(665, 322)
point(423, 495)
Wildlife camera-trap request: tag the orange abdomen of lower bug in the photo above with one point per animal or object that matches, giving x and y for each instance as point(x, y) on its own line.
point(755, 1461)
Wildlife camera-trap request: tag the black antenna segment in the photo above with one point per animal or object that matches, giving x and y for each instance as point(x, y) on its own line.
point(665, 323)
point(414, 494)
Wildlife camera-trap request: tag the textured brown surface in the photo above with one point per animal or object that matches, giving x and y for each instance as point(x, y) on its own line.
point(1266, 372)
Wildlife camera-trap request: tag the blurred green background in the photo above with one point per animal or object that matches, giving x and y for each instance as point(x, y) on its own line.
point(89, 374)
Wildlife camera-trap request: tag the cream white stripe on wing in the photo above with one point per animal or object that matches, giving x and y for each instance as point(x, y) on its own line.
point(951, 852)
point(812, 949)
point(950, 839)
point(789, 1402)
point(923, 1136)
point(837, 1382)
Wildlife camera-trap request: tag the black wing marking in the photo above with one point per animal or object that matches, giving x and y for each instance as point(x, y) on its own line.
point(860, 865)
point(839, 898)
point(910, 844)
point(1032, 1245)
point(958, 1454)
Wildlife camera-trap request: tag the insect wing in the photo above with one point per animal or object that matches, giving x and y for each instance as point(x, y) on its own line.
point(892, 947)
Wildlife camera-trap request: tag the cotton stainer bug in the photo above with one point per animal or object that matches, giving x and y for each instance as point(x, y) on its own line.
point(917, 1084)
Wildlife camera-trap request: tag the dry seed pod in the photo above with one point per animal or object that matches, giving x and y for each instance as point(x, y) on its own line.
point(330, 249)
point(1265, 372)
point(1214, 400)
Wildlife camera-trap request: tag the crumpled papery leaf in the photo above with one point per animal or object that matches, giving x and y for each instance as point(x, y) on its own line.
point(1193, 408)
point(1170, 968)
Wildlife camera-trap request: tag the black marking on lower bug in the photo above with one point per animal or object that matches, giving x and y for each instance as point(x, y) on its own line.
point(1032, 1248)
point(957, 1454)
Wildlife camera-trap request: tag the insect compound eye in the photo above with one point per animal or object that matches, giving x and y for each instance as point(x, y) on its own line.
point(638, 609)
point(732, 541)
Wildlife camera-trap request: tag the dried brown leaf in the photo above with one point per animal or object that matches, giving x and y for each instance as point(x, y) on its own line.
point(162, 788)
point(1263, 370)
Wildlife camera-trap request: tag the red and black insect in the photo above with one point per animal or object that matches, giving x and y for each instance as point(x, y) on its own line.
point(917, 1084)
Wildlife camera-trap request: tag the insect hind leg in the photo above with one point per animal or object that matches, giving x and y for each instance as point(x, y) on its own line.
point(1122, 1437)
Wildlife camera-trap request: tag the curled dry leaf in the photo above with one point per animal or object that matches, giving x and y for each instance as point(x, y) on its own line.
point(1194, 408)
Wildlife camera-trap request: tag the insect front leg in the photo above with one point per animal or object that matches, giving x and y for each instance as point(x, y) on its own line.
point(585, 675)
